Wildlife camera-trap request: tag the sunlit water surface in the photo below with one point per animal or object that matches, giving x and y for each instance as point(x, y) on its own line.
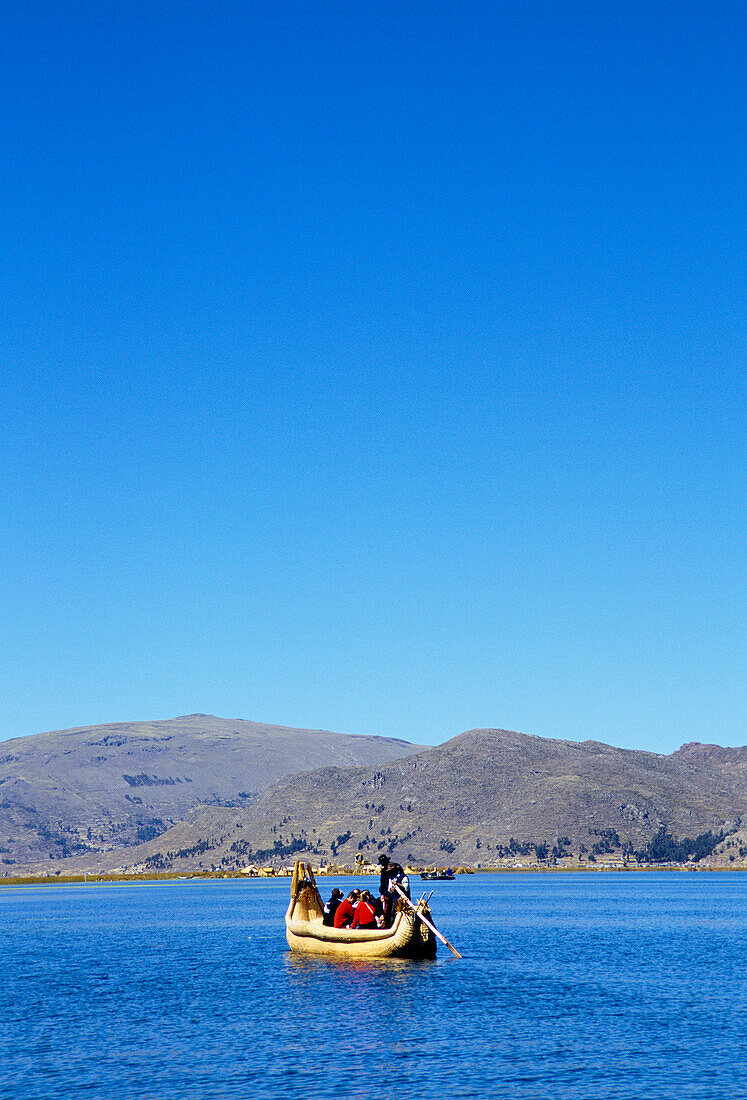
point(572, 986)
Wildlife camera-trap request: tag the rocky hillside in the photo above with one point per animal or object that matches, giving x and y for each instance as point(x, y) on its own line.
point(487, 796)
point(98, 788)
point(466, 798)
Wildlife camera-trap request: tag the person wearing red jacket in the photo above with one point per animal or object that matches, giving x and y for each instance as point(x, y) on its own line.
point(365, 914)
point(346, 910)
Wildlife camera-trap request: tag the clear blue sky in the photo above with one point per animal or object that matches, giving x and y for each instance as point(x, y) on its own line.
point(375, 367)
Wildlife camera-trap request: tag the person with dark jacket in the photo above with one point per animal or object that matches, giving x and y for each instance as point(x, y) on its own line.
point(398, 876)
point(384, 876)
point(331, 907)
point(391, 874)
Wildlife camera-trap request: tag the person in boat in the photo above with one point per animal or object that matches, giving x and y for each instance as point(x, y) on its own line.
point(331, 907)
point(346, 910)
point(384, 894)
point(398, 874)
point(392, 874)
point(380, 908)
point(384, 876)
point(365, 913)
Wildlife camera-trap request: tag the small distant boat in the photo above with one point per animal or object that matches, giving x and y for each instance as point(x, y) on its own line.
point(408, 938)
point(438, 876)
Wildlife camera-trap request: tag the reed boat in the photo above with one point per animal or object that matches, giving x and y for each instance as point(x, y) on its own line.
point(408, 938)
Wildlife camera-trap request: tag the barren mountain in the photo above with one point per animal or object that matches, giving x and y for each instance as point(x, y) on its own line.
point(727, 758)
point(101, 787)
point(482, 796)
point(461, 800)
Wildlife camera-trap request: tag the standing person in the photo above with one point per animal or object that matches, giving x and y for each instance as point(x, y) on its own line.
point(391, 874)
point(384, 892)
point(384, 876)
point(398, 875)
point(331, 907)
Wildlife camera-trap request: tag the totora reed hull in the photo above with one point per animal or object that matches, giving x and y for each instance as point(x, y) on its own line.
point(408, 938)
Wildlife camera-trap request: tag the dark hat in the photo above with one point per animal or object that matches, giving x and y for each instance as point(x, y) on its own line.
point(383, 860)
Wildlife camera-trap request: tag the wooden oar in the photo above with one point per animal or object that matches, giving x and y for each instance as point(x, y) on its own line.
point(426, 922)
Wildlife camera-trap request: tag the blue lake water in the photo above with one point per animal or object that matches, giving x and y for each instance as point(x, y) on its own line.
point(572, 986)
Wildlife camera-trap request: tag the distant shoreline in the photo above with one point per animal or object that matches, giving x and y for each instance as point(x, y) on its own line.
point(103, 879)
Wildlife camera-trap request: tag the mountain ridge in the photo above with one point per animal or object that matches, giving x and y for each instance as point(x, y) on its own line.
point(115, 784)
point(477, 799)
